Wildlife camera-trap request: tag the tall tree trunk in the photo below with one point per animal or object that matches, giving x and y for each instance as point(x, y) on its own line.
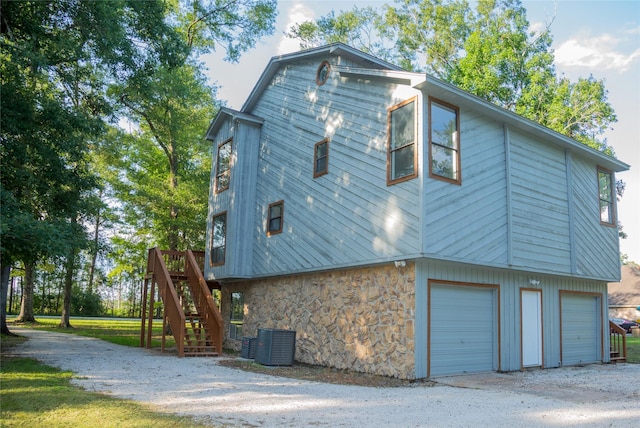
point(173, 186)
point(5, 273)
point(11, 288)
point(26, 306)
point(94, 251)
point(68, 285)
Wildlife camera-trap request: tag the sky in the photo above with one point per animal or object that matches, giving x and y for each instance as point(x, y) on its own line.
point(599, 38)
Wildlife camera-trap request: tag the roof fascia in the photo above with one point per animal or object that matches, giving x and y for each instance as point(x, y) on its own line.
point(394, 76)
point(436, 87)
point(228, 113)
point(338, 49)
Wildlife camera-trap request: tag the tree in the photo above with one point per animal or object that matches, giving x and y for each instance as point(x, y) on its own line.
point(54, 59)
point(166, 162)
point(166, 158)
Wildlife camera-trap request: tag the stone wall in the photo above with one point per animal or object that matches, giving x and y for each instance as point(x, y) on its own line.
point(360, 319)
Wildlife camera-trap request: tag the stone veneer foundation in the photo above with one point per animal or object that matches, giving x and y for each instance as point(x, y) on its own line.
point(360, 319)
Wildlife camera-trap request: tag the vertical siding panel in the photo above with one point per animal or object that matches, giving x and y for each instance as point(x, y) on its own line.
point(540, 211)
point(448, 207)
point(597, 246)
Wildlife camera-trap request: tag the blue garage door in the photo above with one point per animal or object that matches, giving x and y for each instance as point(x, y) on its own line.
point(464, 330)
point(580, 329)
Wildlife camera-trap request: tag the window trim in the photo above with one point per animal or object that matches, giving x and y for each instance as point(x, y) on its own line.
point(228, 171)
point(612, 202)
point(457, 149)
point(211, 247)
point(317, 173)
point(320, 81)
point(269, 218)
point(392, 181)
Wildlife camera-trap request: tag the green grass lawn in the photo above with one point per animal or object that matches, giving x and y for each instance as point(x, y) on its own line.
point(35, 395)
point(120, 331)
point(633, 350)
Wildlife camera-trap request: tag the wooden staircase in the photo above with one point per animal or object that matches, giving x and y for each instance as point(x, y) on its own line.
point(188, 307)
point(617, 343)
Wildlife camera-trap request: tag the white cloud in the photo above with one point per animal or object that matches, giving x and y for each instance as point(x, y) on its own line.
point(600, 52)
point(297, 13)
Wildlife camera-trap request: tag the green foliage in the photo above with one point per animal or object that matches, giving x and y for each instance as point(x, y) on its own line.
point(70, 71)
point(633, 350)
point(85, 303)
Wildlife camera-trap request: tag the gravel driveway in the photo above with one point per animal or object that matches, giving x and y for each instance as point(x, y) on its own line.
point(595, 395)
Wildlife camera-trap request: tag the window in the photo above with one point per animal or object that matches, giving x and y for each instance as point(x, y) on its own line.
point(402, 160)
point(218, 239)
point(237, 315)
point(223, 166)
point(274, 221)
point(444, 141)
point(321, 158)
point(605, 187)
point(322, 75)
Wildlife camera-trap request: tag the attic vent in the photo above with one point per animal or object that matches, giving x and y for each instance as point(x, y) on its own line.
point(323, 73)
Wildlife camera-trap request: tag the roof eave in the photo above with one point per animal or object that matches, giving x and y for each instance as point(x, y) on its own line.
point(225, 113)
point(513, 119)
point(332, 49)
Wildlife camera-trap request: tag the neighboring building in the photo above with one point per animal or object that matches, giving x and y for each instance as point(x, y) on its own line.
point(404, 227)
point(624, 296)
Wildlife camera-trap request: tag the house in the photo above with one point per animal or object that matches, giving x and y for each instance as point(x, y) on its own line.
point(404, 227)
point(624, 296)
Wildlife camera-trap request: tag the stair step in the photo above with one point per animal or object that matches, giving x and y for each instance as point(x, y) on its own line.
point(201, 354)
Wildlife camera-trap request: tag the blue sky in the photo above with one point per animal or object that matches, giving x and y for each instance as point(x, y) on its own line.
point(599, 38)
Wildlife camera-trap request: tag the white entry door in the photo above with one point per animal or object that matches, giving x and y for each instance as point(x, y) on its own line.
point(531, 301)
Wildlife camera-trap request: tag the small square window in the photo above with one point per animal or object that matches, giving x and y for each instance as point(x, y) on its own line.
point(275, 217)
point(607, 201)
point(321, 158)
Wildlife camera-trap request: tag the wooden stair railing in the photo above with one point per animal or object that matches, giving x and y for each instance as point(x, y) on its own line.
point(617, 342)
point(196, 323)
point(157, 273)
point(203, 300)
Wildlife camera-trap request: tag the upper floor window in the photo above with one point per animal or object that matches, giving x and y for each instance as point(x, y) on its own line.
point(322, 75)
point(321, 158)
point(402, 156)
point(607, 194)
point(223, 166)
point(444, 141)
point(275, 216)
point(218, 239)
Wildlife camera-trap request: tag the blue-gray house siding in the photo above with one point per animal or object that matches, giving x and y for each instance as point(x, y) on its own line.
point(523, 216)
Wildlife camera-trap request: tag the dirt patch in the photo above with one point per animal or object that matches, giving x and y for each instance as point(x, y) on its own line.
point(323, 374)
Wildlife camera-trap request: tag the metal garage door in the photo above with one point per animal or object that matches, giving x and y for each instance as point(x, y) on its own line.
point(463, 329)
point(580, 328)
